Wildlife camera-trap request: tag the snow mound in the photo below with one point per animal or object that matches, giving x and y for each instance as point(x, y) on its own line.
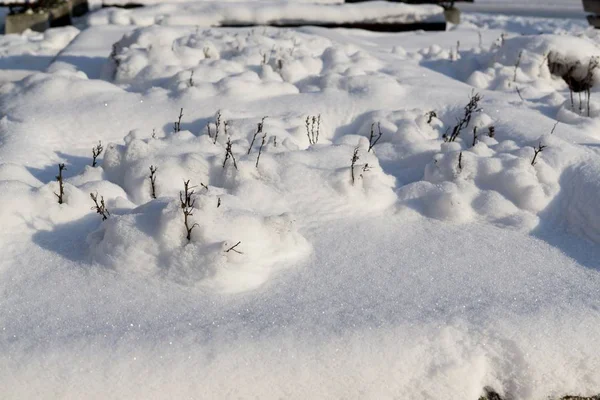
point(255, 202)
point(31, 51)
point(492, 181)
point(527, 62)
point(150, 240)
point(22, 191)
point(253, 63)
point(576, 206)
point(213, 61)
point(469, 178)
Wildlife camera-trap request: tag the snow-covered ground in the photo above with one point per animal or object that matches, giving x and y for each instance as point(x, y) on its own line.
point(323, 261)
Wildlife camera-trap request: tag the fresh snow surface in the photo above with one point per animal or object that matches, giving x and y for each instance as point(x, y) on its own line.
point(425, 278)
point(31, 51)
point(256, 13)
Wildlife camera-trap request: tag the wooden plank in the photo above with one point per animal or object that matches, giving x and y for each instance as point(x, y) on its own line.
point(368, 26)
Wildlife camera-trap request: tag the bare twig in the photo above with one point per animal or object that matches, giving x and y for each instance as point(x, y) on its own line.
point(355, 158)
point(460, 166)
point(96, 151)
point(61, 186)
point(430, 116)
point(537, 150)
point(372, 139)
point(259, 129)
point(229, 154)
point(232, 248)
point(100, 207)
point(554, 127)
point(470, 108)
point(186, 202)
point(217, 125)
point(517, 65)
point(313, 128)
point(152, 177)
point(519, 93)
point(474, 136)
point(318, 127)
point(187, 206)
point(177, 125)
point(191, 81)
point(262, 144)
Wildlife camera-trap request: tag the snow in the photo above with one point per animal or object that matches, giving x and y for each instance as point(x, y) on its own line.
point(31, 51)
point(406, 275)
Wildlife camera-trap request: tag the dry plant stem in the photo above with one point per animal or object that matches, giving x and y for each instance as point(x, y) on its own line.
point(430, 115)
point(61, 186)
point(554, 127)
point(187, 206)
point(313, 128)
point(100, 207)
point(593, 64)
point(217, 126)
point(232, 248)
point(537, 151)
point(471, 107)
point(460, 166)
point(152, 177)
point(262, 144)
point(96, 151)
point(307, 124)
point(177, 125)
point(355, 158)
point(372, 139)
point(474, 136)
point(517, 65)
point(519, 93)
point(229, 154)
point(259, 129)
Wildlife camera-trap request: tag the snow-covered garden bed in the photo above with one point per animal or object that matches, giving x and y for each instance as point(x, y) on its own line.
point(298, 213)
